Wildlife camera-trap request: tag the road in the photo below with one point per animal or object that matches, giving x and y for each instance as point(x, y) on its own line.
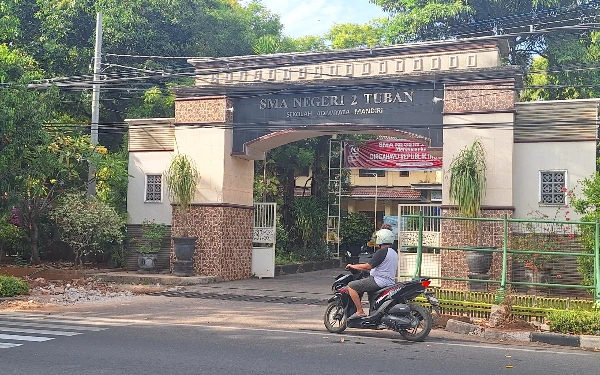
point(243, 329)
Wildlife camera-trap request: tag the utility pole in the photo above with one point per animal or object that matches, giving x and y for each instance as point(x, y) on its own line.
point(95, 99)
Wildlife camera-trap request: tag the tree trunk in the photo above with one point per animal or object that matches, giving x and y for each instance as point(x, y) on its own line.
point(289, 184)
point(319, 185)
point(34, 234)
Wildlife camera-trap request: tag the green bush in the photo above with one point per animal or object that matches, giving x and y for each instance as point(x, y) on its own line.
point(12, 286)
point(575, 321)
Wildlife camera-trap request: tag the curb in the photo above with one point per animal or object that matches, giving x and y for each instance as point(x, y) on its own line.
point(153, 279)
point(577, 341)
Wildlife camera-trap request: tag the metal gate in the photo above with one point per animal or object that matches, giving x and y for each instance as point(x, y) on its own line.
point(264, 238)
point(408, 237)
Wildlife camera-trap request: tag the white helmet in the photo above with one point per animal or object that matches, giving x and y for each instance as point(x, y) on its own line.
point(385, 236)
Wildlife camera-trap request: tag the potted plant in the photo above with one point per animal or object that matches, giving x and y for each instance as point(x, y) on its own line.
point(182, 179)
point(467, 188)
point(149, 244)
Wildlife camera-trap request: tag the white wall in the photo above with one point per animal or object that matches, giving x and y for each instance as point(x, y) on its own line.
point(140, 164)
point(498, 144)
point(577, 158)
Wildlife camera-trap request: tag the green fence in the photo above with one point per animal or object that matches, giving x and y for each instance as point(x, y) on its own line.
point(540, 258)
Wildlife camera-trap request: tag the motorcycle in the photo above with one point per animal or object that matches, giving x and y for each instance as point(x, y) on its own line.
point(389, 308)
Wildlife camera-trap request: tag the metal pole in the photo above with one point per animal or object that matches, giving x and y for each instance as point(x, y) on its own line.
point(419, 245)
point(376, 184)
point(597, 265)
point(501, 292)
point(96, 98)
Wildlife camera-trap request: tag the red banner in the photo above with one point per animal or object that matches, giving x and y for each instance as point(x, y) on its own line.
point(398, 154)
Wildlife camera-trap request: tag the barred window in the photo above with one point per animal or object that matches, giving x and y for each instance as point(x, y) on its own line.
point(153, 188)
point(553, 185)
point(370, 173)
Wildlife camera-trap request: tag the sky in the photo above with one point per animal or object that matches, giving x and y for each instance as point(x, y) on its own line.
point(315, 17)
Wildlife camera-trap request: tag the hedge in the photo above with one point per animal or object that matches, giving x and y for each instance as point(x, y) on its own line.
point(12, 286)
point(575, 321)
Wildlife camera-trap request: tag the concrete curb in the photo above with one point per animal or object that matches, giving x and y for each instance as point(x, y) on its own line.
point(577, 341)
point(153, 279)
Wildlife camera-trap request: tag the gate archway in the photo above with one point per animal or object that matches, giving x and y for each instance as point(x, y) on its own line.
point(243, 106)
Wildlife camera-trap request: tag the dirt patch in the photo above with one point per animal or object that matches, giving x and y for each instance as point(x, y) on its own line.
point(516, 325)
point(44, 293)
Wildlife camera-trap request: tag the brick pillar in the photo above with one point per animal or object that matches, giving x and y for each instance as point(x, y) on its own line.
point(222, 211)
point(490, 233)
point(481, 110)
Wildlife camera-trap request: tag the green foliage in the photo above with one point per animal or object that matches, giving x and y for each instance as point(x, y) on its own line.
point(468, 179)
point(12, 286)
point(575, 321)
point(355, 228)
point(155, 102)
point(541, 236)
point(153, 234)
point(182, 179)
point(310, 219)
point(86, 224)
point(587, 204)
point(11, 235)
point(352, 35)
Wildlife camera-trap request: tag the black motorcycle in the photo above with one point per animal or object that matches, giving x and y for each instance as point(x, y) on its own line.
point(389, 308)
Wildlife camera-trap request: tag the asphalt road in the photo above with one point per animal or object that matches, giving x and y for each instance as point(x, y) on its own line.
point(115, 347)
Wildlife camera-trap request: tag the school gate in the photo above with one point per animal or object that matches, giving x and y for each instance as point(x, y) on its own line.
point(443, 95)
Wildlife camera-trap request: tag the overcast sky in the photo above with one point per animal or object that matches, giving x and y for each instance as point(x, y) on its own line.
point(315, 17)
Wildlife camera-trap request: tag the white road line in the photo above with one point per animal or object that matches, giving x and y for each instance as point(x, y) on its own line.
point(8, 345)
point(70, 318)
point(39, 331)
point(51, 320)
point(25, 338)
point(52, 326)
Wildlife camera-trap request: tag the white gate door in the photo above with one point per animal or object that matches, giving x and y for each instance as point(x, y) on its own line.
point(408, 234)
point(263, 248)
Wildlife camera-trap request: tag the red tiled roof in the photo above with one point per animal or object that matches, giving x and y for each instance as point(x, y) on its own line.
point(385, 192)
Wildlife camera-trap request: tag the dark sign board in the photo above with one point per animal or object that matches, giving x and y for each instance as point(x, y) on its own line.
point(410, 108)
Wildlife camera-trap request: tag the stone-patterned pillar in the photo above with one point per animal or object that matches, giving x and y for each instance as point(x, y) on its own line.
point(222, 212)
point(484, 111)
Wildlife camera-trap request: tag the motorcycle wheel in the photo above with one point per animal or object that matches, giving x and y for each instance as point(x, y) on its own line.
point(420, 332)
point(335, 318)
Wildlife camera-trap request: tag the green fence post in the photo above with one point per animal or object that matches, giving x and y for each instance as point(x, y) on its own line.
point(502, 290)
point(597, 265)
point(419, 245)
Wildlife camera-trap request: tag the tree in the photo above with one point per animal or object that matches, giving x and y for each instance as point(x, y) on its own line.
point(352, 35)
point(86, 224)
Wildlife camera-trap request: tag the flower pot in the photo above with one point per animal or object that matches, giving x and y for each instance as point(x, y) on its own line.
point(539, 276)
point(147, 261)
point(479, 262)
point(184, 247)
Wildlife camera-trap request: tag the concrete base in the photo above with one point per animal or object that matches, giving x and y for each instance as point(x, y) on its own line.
point(153, 279)
point(184, 268)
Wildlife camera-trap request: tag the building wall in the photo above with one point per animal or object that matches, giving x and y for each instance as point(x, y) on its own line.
point(577, 158)
point(140, 164)
point(498, 143)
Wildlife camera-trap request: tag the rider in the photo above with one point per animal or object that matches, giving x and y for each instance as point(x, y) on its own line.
point(383, 267)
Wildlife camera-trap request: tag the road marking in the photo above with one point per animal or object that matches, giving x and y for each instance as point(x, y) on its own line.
point(6, 345)
point(51, 320)
point(39, 328)
point(39, 331)
point(52, 326)
point(25, 338)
